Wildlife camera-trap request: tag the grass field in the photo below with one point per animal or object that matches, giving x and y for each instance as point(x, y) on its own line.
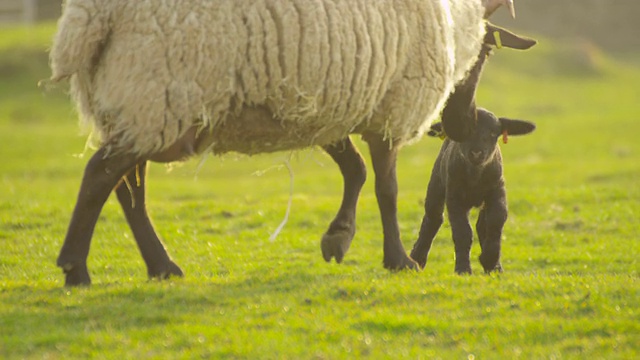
point(570, 289)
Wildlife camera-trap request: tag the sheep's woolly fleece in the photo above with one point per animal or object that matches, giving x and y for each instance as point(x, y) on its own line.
point(144, 72)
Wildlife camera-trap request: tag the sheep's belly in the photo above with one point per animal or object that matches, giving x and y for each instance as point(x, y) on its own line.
point(256, 130)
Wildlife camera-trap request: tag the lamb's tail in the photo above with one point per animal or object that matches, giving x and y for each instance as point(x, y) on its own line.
point(82, 31)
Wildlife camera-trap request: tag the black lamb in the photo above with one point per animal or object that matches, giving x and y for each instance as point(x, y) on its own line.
point(465, 175)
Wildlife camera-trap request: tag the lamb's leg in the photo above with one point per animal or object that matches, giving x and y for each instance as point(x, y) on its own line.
point(101, 175)
point(494, 216)
point(383, 157)
point(481, 227)
point(336, 241)
point(431, 222)
point(131, 194)
point(462, 236)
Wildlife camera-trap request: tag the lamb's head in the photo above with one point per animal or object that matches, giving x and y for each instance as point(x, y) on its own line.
point(482, 145)
point(459, 114)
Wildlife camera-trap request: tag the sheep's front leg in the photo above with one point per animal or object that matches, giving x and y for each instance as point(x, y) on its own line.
point(431, 222)
point(462, 236)
point(383, 157)
point(131, 194)
point(101, 175)
point(490, 223)
point(336, 241)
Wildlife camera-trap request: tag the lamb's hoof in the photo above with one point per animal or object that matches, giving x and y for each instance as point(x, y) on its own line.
point(490, 263)
point(400, 263)
point(168, 271)
point(420, 259)
point(466, 270)
point(336, 244)
point(76, 275)
point(496, 269)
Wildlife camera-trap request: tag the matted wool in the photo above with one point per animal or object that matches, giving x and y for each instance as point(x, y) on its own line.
point(145, 72)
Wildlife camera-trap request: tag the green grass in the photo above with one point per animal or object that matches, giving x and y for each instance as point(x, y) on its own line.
point(570, 251)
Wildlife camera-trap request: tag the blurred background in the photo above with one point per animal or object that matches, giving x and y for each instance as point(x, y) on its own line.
point(610, 24)
point(28, 11)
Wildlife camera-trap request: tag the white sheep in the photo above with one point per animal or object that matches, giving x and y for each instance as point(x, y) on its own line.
point(164, 80)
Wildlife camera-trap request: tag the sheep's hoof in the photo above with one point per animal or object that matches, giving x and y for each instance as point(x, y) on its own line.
point(401, 263)
point(76, 275)
point(336, 244)
point(168, 271)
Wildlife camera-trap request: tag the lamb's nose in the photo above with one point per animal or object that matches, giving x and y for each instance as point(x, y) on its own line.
point(476, 154)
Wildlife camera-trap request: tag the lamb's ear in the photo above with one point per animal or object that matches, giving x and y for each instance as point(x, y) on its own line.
point(436, 130)
point(516, 127)
point(500, 37)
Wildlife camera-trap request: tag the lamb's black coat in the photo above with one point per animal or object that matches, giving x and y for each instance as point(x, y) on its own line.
point(465, 175)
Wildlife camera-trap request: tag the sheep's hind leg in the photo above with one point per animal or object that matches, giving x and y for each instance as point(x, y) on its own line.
point(383, 157)
point(101, 175)
point(131, 194)
point(336, 241)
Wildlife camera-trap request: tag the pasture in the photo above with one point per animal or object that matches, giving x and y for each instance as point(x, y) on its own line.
point(570, 251)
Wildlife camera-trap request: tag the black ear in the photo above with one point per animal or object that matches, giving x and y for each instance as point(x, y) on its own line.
point(436, 130)
point(499, 37)
point(516, 127)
